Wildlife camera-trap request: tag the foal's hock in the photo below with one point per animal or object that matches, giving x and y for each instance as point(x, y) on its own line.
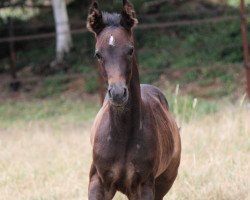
point(136, 143)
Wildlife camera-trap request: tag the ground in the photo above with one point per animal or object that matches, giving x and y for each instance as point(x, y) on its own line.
point(45, 151)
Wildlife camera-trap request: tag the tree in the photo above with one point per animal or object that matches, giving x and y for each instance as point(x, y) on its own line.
point(63, 36)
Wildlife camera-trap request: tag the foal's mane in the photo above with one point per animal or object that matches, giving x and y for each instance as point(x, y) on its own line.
point(111, 19)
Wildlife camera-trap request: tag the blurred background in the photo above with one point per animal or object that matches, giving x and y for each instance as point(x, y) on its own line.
point(50, 92)
point(194, 43)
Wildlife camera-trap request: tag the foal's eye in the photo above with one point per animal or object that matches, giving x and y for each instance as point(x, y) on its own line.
point(98, 55)
point(131, 51)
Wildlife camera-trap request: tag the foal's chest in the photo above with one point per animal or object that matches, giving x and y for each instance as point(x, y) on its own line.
point(122, 164)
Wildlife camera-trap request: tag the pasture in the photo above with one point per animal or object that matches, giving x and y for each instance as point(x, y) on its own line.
point(45, 151)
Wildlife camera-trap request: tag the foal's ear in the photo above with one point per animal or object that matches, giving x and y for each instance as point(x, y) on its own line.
point(95, 22)
point(128, 16)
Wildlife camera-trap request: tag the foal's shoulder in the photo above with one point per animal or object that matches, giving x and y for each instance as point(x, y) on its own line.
point(153, 95)
point(100, 119)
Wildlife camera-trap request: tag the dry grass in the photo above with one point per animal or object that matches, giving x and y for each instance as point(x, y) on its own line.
point(41, 162)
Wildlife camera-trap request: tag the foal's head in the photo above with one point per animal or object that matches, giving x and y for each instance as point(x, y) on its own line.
point(114, 48)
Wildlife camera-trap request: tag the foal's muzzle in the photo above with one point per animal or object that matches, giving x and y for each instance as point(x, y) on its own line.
point(118, 94)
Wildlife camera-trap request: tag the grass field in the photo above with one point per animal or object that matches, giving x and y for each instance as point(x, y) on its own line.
point(45, 152)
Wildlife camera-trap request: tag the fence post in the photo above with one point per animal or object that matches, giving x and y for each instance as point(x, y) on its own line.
point(14, 84)
point(245, 45)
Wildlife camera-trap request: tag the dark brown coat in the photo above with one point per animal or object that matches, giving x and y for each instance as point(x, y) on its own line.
point(136, 142)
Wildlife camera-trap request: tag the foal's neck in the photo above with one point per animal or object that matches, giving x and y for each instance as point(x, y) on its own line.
point(127, 119)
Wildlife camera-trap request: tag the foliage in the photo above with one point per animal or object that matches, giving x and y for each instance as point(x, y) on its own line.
point(149, 77)
point(175, 47)
point(52, 88)
point(190, 76)
point(91, 85)
point(18, 13)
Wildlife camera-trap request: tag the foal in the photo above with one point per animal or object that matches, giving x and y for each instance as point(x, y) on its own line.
point(136, 143)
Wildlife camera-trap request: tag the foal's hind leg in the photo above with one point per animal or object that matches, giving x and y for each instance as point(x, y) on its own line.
point(163, 183)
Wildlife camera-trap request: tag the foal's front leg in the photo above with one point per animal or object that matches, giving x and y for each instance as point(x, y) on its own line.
point(96, 188)
point(147, 191)
point(143, 192)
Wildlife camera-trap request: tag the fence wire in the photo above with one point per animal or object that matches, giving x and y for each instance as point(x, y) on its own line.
point(140, 26)
point(214, 19)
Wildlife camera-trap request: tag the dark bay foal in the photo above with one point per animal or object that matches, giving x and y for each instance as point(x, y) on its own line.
point(136, 143)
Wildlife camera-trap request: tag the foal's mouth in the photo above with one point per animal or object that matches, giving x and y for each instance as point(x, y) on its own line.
point(118, 105)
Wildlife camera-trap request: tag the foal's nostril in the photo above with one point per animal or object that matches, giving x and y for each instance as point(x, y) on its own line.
point(125, 93)
point(109, 91)
point(118, 94)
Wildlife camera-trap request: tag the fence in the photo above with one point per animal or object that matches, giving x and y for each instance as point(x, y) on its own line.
point(214, 19)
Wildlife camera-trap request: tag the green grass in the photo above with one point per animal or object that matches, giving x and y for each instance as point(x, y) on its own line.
point(66, 111)
point(77, 111)
point(186, 108)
